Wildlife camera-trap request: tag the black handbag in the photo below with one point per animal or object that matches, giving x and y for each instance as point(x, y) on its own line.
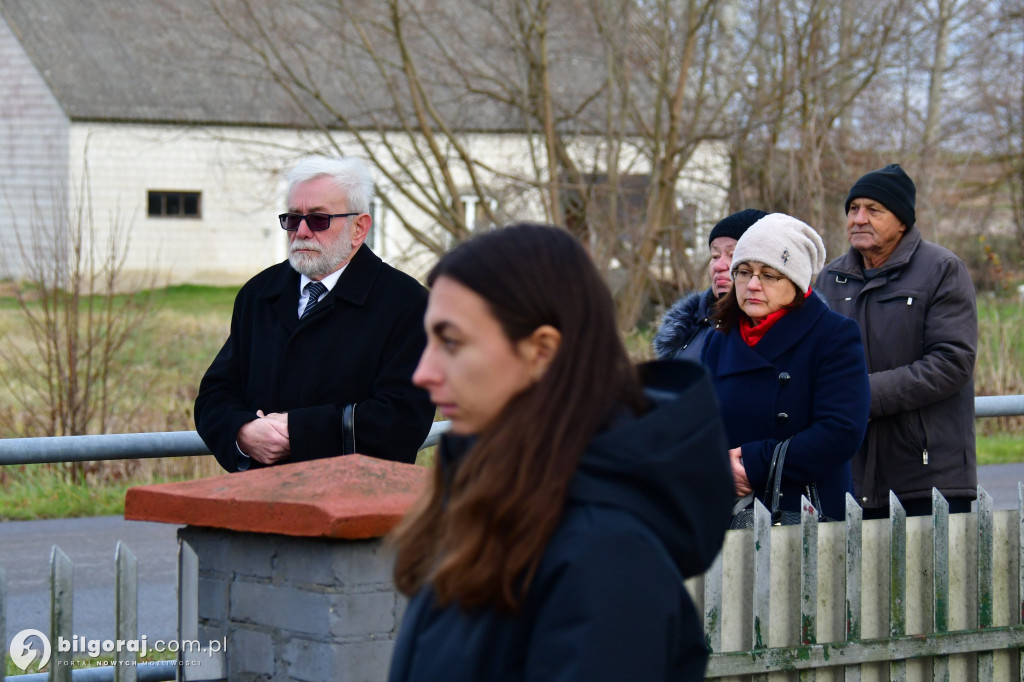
point(744, 518)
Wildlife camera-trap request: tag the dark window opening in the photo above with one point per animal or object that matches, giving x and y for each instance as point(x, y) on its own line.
point(174, 204)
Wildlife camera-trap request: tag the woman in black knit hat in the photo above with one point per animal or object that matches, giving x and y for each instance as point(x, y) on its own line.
point(688, 321)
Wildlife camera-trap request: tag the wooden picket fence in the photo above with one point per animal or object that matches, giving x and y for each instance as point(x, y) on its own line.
point(843, 601)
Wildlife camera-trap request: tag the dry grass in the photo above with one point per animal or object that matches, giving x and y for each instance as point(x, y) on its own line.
point(189, 324)
point(1000, 364)
point(162, 367)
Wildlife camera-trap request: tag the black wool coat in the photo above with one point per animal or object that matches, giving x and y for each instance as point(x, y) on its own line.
point(342, 373)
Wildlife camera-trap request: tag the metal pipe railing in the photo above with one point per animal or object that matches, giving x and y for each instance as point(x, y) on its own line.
point(56, 449)
point(998, 405)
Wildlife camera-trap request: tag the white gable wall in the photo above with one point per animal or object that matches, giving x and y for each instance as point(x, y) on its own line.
point(33, 156)
point(239, 172)
point(236, 234)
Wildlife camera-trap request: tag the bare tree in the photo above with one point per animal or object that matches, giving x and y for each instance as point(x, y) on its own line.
point(610, 99)
point(68, 373)
point(807, 118)
point(998, 90)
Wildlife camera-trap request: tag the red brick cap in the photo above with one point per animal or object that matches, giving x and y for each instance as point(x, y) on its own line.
point(352, 497)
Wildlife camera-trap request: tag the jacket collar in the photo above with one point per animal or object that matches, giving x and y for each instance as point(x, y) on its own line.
point(851, 264)
point(282, 289)
point(737, 357)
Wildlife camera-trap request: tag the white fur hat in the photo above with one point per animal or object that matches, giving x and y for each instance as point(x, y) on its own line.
point(782, 242)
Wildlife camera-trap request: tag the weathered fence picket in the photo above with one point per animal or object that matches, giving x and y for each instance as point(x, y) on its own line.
point(61, 668)
point(897, 582)
point(940, 579)
point(61, 591)
point(1020, 571)
point(986, 591)
point(929, 637)
point(808, 579)
point(3, 621)
point(126, 607)
point(852, 574)
point(761, 621)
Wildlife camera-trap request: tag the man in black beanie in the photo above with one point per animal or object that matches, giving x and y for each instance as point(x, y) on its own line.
point(914, 301)
point(688, 321)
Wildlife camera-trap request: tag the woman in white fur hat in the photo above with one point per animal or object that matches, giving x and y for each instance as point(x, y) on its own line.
point(787, 367)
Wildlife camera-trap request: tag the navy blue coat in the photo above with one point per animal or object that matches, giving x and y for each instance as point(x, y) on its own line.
point(685, 327)
point(807, 379)
point(648, 507)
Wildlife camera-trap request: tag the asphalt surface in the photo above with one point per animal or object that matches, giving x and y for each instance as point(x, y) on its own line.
point(90, 543)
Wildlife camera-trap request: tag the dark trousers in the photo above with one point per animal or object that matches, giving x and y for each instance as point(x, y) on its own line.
point(957, 505)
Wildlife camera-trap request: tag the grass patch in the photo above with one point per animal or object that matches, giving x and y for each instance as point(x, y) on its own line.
point(1001, 448)
point(188, 325)
point(46, 491)
point(35, 492)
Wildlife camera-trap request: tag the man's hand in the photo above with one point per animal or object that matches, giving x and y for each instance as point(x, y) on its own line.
point(739, 473)
point(266, 439)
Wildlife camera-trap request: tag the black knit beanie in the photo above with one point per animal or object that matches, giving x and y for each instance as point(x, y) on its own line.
point(891, 187)
point(736, 224)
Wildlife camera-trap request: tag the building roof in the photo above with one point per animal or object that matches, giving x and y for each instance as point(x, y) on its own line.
point(211, 61)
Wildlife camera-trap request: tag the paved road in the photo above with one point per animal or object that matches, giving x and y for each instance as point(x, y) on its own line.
point(90, 543)
point(25, 548)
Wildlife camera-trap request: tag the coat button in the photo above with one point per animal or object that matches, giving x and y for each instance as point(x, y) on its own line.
point(784, 378)
point(782, 417)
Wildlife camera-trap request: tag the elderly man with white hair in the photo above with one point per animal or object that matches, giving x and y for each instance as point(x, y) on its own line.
point(322, 347)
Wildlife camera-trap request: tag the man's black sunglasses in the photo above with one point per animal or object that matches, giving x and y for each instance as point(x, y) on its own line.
point(316, 222)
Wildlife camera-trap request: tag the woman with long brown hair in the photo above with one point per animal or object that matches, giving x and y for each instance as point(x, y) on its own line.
point(574, 494)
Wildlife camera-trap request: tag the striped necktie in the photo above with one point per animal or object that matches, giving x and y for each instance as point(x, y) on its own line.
point(315, 291)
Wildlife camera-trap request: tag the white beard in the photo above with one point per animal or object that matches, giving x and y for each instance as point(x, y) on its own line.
point(327, 258)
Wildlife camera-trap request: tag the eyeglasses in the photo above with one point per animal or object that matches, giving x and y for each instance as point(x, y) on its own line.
point(767, 279)
point(316, 222)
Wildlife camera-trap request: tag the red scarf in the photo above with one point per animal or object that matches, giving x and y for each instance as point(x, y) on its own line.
point(752, 333)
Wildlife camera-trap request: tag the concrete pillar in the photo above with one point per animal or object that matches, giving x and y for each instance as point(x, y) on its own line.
point(292, 568)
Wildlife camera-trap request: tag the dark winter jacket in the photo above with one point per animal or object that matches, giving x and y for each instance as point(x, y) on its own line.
point(685, 327)
point(648, 507)
point(806, 380)
point(919, 322)
point(343, 373)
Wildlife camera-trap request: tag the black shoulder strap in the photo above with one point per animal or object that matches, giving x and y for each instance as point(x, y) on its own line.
point(774, 485)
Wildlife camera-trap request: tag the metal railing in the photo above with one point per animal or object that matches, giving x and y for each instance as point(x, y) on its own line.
point(56, 449)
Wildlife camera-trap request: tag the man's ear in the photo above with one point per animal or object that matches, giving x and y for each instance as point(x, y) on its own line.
point(540, 348)
point(360, 229)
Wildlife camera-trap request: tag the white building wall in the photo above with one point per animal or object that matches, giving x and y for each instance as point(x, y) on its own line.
point(239, 172)
point(237, 233)
point(33, 157)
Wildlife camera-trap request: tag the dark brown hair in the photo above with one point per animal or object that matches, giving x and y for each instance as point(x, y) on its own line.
point(727, 313)
point(479, 533)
